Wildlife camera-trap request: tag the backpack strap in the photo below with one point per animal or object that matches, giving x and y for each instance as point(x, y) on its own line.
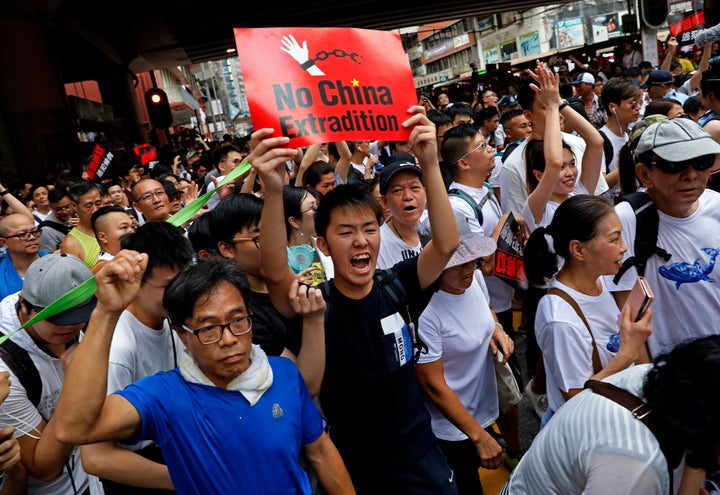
point(477, 207)
point(640, 411)
point(20, 363)
point(646, 232)
point(395, 294)
point(597, 366)
point(608, 150)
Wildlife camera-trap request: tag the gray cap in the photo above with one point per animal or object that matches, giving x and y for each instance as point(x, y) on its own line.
point(473, 245)
point(677, 140)
point(50, 277)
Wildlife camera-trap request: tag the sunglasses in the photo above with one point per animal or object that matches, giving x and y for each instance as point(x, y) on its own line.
point(700, 163)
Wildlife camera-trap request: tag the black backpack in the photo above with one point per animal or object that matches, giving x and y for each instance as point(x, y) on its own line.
point(608, 151)
point(22, 366)
point(646, 231)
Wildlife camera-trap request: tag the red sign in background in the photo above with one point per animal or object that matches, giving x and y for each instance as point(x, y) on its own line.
point(319, 85)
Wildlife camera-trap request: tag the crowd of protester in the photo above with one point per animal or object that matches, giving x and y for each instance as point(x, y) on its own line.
point(330, 321)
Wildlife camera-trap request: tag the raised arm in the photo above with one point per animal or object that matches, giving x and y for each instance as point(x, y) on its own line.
point(308, 301)
point(547, 93)
point(84, 413)
point(268, 159)
point(308, 159)
point(14, 203)
point(592, 158)
point(445, 239)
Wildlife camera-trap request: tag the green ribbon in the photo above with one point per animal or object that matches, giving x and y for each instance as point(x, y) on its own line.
point(84, 291)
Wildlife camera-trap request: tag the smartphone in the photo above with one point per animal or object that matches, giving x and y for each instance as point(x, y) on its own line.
point(640, 298)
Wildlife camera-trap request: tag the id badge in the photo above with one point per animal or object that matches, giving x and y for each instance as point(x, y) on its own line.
point(396, 341)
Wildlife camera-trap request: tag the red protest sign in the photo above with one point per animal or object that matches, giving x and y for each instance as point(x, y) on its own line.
point(319, 85)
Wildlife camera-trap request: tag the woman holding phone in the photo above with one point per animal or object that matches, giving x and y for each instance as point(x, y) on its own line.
point(577, 324)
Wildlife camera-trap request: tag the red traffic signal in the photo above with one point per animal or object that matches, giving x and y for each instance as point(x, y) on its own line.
point(158, 108)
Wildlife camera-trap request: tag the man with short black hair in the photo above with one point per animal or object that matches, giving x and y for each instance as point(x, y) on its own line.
point(229, 419)
point(59, 222)
point(110, 223)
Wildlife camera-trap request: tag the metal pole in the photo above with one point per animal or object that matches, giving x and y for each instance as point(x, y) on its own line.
point(207, 91)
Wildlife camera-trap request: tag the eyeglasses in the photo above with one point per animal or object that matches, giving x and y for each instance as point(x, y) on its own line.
point(481, 146)
point(176, 197)
point(255, 240)
point(25, 236)
point(213, 333)
point(63, 208)
point(635, 103)
point(700, 163)
point(147, 197)
point(236, 161)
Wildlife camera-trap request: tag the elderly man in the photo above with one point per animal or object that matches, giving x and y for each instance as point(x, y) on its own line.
point(673, 162)
point(228, 419)
point(22, 240)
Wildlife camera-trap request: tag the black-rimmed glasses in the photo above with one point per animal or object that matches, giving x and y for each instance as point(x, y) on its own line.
point(213, 333)
point(25, 236)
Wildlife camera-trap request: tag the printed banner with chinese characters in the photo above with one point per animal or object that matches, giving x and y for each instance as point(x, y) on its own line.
point(317, 85)
point(509, 265)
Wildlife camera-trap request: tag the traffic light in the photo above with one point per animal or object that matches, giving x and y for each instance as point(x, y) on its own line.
point(653, 13)
point(158, 108)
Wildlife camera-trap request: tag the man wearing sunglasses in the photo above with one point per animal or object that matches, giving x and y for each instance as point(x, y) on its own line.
point(673, 162)
point(21, 239)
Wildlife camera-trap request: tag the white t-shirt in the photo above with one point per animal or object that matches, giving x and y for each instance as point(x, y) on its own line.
point(550, 209)
point(565, 341)
point(593, 445)
point(501, 293)
point(213, 201)
point(138, 351)
point(457, 329)
point(513, 184)
point(687, 294)
point(17, 404)
point(617, 143)
point(393, 249)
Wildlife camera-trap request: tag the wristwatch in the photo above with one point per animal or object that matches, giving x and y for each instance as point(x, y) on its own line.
point(6, 191)
point(563, 104)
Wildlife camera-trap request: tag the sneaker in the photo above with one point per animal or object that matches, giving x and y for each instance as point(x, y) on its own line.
point(512, 460)
point(539, 402)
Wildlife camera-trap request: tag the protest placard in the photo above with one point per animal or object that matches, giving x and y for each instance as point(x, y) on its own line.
point(509, 265)
point(317, 85)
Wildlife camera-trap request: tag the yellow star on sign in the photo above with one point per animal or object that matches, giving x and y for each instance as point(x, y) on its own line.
point(355, 82)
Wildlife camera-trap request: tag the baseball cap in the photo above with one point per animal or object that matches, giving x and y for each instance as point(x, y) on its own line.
point(52, 276)
point(398, 163)
point(507, 101)
point(658, 77)
point(677, 140)
point(473, 245)
point(585, 77)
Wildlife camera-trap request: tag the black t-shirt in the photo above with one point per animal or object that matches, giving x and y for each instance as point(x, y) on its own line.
point(370, 394)
point(271, 330)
